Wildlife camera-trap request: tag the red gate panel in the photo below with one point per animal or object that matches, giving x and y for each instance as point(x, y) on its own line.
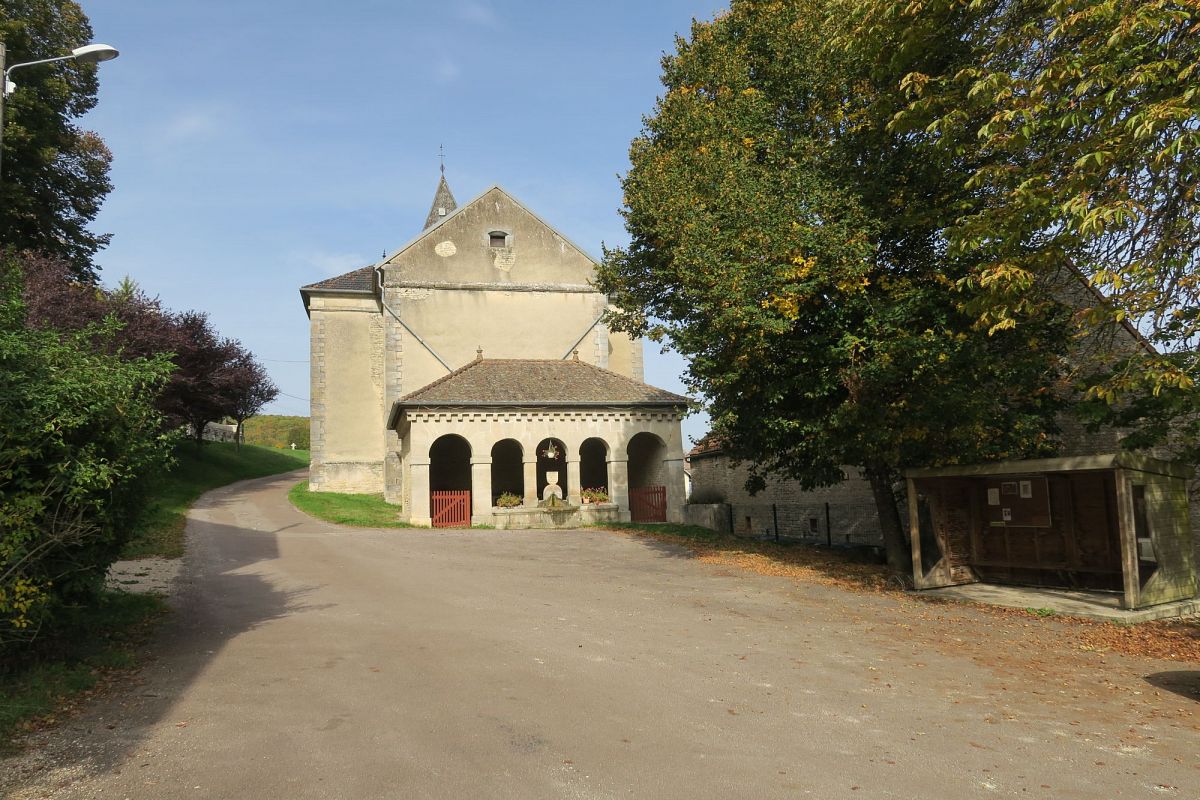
point(451, 509)
point(648, 504)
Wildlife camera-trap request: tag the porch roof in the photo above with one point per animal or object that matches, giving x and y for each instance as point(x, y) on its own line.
point(533, 383)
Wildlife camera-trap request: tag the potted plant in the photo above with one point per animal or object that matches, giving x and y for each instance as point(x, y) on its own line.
point(594, 496)
point(508, 500)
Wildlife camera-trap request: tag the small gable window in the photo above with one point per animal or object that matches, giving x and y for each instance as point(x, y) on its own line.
point(498, 239)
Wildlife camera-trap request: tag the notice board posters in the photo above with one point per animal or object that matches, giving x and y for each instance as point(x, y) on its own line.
point(1018, 501)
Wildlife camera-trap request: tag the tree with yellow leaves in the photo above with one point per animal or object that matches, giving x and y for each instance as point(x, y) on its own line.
point(790, 244)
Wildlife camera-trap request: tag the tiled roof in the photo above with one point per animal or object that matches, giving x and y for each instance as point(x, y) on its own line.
point(443, 201)
point(360, 280)
point(709, 445)
point(502, 381)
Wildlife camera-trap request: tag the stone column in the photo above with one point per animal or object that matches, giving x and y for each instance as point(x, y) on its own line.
point(418, 476)
point(618, 485)
point(531, 498)
point(574, 490)
point(673, 473)
point(481, 490)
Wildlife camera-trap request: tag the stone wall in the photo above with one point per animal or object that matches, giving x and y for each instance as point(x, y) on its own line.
point(797, 513)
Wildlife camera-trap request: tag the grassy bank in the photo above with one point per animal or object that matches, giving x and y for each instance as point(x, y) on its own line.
point(196, 471)
point(358, 510)
point(95, 645)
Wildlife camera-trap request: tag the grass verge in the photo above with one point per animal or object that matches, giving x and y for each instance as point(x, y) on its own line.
point(1174, 640)
point(93, 646)
point(196, 471)
point(357, 510)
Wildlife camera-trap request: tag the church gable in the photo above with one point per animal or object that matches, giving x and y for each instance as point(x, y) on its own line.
point(491, 240)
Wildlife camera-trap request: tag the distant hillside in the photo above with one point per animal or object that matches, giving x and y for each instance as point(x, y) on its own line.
point(271, 430)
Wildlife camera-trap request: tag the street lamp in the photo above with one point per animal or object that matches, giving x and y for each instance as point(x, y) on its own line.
point(88, 54)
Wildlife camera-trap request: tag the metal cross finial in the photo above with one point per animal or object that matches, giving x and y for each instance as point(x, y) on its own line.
point(442, 156)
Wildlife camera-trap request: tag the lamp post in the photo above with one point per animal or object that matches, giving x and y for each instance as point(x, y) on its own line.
point(88, 54)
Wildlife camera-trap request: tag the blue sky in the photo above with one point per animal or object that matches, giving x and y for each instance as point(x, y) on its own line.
point(262, 145)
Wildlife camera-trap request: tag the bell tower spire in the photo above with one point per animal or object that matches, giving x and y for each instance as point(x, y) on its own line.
point(443, 198)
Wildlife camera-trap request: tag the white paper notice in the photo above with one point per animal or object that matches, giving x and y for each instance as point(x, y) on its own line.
point(1026, 489)
point(993, 497)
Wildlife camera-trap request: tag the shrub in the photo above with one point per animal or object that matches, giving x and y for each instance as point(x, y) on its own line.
point(706, 496)
point(79, 439)
point(508, 500)
point(595, 495)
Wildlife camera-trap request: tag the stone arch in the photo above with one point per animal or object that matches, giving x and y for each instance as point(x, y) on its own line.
point(646, 453)
point(547, 464)
point(508, 469)
point(450, 464)
point(593, 464)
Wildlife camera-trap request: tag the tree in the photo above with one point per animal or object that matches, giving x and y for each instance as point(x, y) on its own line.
point(55, 173)
point(198, 391)
point(789, 244)
point(249, 389)
point(1082, 118)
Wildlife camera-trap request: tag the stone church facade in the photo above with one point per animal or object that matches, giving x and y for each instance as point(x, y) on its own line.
point(476, 359)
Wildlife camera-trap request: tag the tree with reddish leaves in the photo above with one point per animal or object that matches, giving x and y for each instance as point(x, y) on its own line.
point(214, 377)
point(249, 388)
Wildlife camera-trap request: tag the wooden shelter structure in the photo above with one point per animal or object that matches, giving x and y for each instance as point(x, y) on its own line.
point(1108, 522)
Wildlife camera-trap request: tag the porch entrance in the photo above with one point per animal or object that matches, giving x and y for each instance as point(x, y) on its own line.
point(451, 509)
point(648, 504)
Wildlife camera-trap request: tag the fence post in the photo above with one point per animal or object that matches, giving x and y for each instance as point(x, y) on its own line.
point(828, 529)
point(729, 506)
point(775, 520)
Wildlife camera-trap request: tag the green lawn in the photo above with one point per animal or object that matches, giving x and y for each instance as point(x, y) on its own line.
point(358, 510)
point(196, 471)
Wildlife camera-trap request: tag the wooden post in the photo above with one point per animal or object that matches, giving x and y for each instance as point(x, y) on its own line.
point(775, 520)
point(828, 527)
point(1126, 527)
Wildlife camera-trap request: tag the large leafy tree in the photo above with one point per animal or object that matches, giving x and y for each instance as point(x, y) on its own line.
point(1082, 121)
point(789, 244)
point(55, 173)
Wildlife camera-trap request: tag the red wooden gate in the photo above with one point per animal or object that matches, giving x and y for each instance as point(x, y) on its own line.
point(648, 504)
point(451, 509)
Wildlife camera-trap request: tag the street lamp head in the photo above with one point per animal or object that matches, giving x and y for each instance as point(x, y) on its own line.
point(92, 53)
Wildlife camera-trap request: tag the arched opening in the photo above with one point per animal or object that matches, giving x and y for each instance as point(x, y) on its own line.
point(593, 465)
point(508, 471)
point(450, 482)
point(646, 453)
point(647, 478)
point(450, 464)
point(551, 464)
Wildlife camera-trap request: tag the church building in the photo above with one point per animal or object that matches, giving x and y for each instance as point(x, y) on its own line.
point(475, 363)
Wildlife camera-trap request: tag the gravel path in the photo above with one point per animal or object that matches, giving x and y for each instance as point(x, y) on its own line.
point(310, 661)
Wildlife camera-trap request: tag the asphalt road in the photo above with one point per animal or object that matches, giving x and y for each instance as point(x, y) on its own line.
point(311, 661)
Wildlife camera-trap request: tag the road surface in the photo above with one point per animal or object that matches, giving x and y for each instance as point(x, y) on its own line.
point(306, 660)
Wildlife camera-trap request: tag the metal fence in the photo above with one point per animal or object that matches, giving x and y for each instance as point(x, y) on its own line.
point(821, 522)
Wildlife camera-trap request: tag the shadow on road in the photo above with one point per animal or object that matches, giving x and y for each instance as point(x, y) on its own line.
point(226, 589)
point(1184, 682)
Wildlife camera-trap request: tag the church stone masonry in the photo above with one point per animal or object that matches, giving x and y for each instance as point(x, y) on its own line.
point(475, 359)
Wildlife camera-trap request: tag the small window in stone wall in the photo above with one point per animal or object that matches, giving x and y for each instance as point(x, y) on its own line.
point(498, 239)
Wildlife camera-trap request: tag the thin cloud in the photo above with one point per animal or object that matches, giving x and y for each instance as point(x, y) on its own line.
point(446, 71)
point(477, 13)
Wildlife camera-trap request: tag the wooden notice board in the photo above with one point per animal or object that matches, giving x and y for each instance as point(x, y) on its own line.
point(1017, 501)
